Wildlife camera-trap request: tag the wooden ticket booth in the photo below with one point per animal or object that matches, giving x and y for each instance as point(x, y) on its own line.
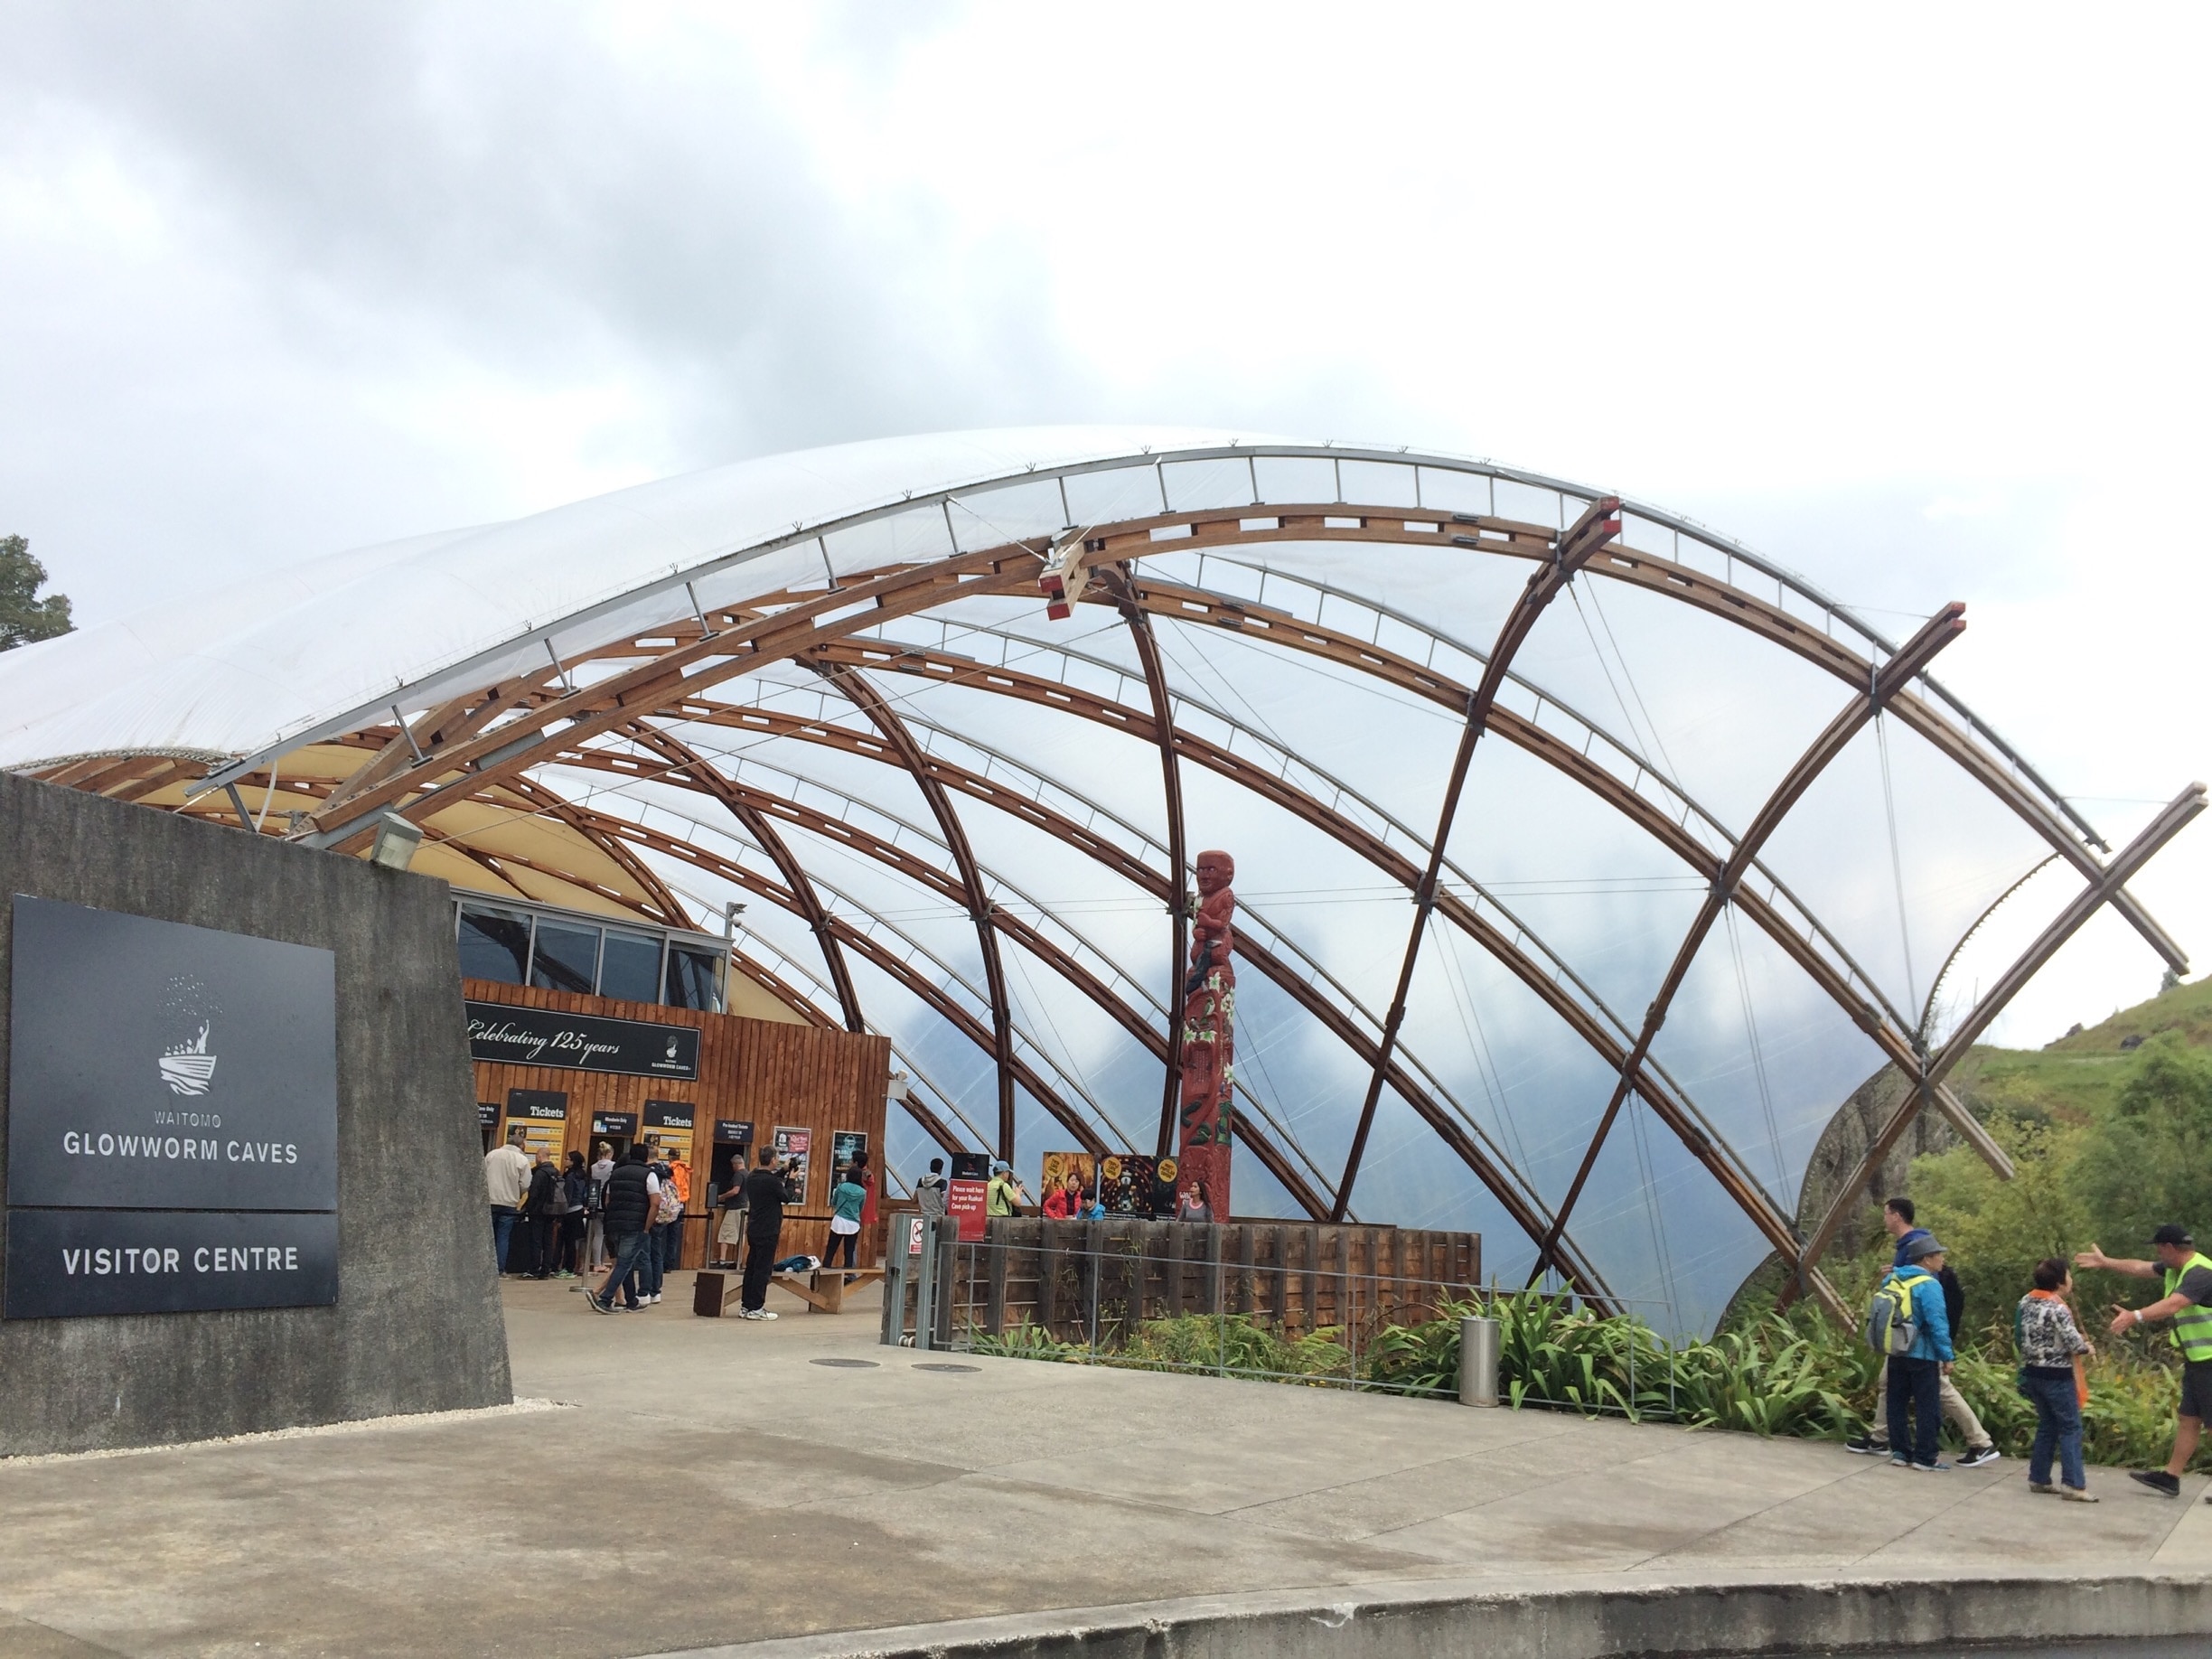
point(571, 1068)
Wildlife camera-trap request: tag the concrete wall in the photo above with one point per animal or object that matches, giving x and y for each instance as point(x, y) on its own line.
point(417, 1325)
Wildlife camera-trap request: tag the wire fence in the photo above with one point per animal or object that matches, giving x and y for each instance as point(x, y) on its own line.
point(1199, 1300)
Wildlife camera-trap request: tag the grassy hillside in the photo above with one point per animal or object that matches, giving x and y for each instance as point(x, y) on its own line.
point(2078, 1078)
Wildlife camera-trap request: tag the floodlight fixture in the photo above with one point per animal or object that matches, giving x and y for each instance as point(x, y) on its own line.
point(395, 841)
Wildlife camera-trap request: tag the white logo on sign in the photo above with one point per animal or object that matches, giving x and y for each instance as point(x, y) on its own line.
point(186, 1067)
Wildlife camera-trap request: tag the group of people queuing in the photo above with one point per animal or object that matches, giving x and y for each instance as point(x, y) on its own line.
point(1914, 1321)
point(555, 1221)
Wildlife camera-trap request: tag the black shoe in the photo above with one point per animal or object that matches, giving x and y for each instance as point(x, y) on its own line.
point(1866, 1446)
point(1977, 1456)
point(597, 1305)
point(2158, 1480)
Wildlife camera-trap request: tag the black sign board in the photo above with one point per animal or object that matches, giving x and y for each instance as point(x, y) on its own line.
point(971, 1166)
point(153, 1066)
point(487, 1114)
point(623, 1123)
point(548, 1104)
point(63, 1264)
point(728, 1134)
point(669, 1115)
point(581, 1042)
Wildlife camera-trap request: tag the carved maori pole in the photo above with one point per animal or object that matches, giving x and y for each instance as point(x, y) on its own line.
point(1209, 1039)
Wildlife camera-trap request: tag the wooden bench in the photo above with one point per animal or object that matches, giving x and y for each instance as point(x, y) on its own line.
point(823, 1289)
point(716, 1292)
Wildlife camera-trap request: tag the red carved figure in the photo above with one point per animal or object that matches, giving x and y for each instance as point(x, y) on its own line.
point(1209, 1038)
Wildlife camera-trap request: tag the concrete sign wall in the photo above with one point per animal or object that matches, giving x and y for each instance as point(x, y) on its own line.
point(322, 1251)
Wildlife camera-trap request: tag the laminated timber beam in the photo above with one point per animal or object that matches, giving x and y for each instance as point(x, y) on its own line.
point(861, 691)
point(1577, 545)
point(1926, 1079)
point(1702, 1145)
point(1910, 660)
point(1115, 581)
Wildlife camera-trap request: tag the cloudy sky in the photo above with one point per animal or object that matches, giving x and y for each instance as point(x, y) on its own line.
point(1913, 305)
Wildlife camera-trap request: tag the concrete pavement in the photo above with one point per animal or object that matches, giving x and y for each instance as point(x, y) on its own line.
point(708, 1482)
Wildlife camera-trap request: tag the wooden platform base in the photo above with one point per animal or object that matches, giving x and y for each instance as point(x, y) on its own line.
point(823, 1290)
point(716, 1292)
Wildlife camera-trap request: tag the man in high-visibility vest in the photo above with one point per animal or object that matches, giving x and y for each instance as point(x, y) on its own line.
point(2187, 1278)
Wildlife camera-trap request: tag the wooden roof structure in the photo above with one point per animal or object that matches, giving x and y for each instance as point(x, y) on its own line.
point(840, 686)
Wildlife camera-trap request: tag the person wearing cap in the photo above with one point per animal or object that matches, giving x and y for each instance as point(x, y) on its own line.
point(1005, 1196)
point(1915, 1376)
point(2188, 1288)
point(1897, 1219)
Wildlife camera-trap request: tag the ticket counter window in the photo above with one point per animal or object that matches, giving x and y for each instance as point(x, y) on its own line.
point(691, 980)
point(566, 958)
point(630, 966)
point(494, 945)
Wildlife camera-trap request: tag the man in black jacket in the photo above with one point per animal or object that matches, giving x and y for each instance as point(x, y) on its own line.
point(633, 1195)
point(543, 1207)
point(764, 1196)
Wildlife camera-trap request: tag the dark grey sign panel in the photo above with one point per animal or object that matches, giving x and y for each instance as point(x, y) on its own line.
point(153, 1066)
point(67, 1263)
point(669, 1115)
point(729, 1134)
point(581, 1042)
point(614, 1123)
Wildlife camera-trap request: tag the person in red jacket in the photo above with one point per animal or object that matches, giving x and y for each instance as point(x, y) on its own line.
point(1065, 1202)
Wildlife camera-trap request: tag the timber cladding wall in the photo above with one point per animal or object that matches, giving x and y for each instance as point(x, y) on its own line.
point(750, 1071)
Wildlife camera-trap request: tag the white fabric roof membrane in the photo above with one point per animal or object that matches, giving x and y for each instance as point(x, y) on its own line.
point(269, 658)
point(1696, 713)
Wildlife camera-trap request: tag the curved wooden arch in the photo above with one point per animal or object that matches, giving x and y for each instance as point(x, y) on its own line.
point(748, 813)
point(1525, 1210)
point(872, 703)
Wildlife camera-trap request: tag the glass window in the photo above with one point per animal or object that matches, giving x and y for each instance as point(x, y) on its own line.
point(494, 945)
point(568, 957)
point(691, 979)
point(630, 967)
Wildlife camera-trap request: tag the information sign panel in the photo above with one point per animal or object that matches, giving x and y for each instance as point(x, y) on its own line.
point(510, 1035)
point(964, 1203)
point(153, 1066)
point(65, 1263)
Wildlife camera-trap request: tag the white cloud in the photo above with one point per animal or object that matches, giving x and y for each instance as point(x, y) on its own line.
point(1909, 300)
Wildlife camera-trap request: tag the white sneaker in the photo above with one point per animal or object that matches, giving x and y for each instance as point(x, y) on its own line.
point(655, 1297)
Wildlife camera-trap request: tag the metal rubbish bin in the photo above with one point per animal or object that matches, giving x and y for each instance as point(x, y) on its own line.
point(1478, 1361)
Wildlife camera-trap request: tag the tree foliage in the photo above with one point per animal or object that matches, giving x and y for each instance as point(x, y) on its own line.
point(24, 617)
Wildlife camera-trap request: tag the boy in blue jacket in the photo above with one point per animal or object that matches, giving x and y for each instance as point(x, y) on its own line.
point(1916, 1377)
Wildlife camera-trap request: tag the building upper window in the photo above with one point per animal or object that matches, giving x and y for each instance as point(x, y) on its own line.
point(630, 967)
point(566, 958)
point(568, 952)
point(494, 945)
point(691, 980)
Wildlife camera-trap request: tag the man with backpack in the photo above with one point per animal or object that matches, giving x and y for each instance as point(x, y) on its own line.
point(1908, 1324)
point(2187, 1278)
point(633, 1195)
point(1897, 1218)
point(666, 1234)
point(931, 1191)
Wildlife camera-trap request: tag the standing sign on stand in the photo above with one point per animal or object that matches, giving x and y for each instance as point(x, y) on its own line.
point(964, 1203)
